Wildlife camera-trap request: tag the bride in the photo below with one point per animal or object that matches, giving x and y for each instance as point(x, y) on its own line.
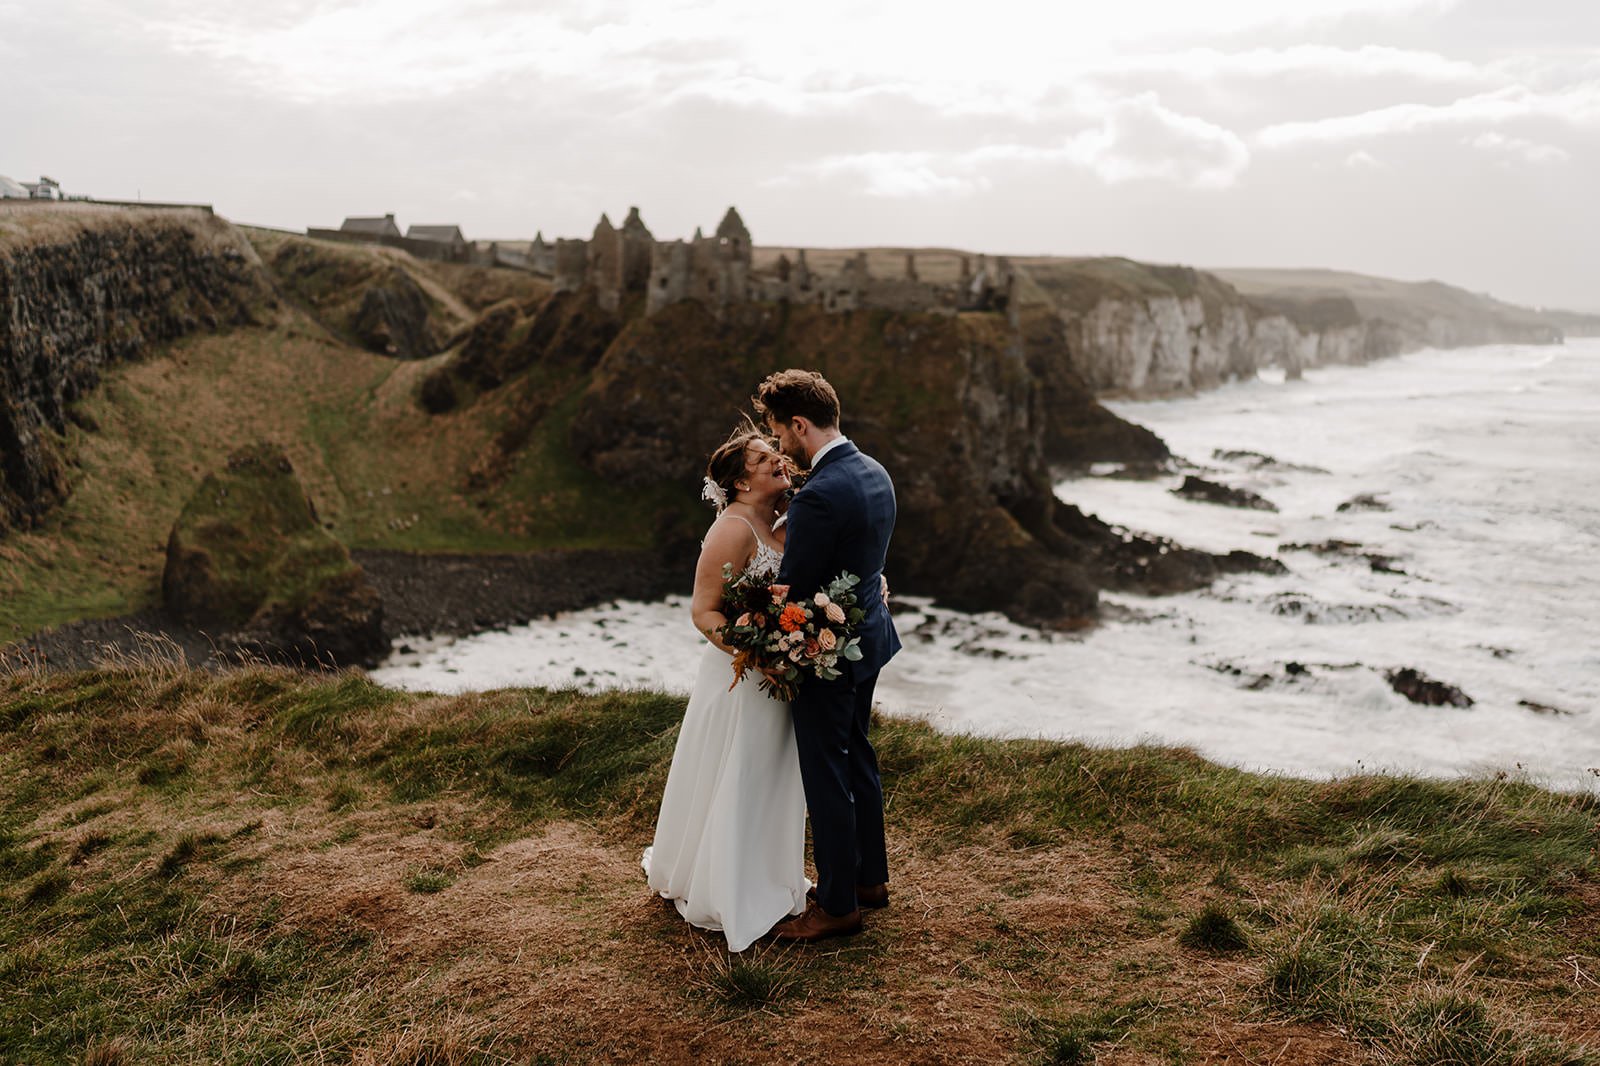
point(729, 848)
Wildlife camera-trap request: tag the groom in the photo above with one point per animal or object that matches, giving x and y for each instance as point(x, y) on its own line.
point(839, 521)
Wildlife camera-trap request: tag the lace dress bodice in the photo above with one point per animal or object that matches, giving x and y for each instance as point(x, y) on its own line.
point(763, 565)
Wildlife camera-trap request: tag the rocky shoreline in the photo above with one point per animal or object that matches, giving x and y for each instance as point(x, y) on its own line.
point(423, 593)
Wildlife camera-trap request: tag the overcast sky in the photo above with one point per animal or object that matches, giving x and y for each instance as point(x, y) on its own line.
point(1449, 139)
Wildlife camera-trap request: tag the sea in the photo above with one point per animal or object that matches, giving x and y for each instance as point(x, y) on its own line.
point(1438, 512)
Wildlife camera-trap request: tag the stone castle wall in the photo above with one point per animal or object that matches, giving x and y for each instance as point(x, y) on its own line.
point(717, 271)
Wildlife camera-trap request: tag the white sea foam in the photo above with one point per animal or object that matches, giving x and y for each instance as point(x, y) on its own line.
point(1488, 461)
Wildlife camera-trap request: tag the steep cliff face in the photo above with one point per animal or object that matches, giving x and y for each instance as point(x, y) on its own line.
point(1144, 330)
point(379, 299)
point(82, 289)
point(950, 405)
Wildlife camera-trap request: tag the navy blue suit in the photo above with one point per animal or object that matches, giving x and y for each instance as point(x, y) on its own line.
point(841, 521)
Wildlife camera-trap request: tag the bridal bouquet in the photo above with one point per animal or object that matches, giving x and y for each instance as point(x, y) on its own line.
point(780, 639)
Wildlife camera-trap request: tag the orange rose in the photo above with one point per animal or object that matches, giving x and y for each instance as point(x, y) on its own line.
point(826, 640)
point(792, 618)
point(813, 649)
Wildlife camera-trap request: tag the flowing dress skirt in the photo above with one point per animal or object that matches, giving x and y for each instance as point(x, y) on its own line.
point(729, 847)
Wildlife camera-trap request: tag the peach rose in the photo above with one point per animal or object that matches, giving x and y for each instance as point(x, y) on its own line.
point(779, 593)
point(821, 599)
point(835, 613)
point(743, 619)
point(826, 640)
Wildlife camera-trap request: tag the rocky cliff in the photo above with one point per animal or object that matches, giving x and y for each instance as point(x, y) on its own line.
point(249, 562)
point(1142, 330)
point(82, 289)
point(953, 408)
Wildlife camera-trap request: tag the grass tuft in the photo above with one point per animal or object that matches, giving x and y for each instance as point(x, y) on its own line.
point(112, 1051)
point(1447, 1026)
point(757, 979)
point(91, 843)
point(1072, 1040)
point(189, 848)
point(1214, 929)
point(429, 881)
point(1304, 981)
point(48, 889)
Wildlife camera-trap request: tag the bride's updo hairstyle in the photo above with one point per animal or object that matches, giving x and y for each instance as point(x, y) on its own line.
point(726, 467)
point(797, 392)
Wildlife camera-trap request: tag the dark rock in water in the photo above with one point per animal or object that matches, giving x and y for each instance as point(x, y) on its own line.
point(1326, 547)
point(1196, 488)
point(1419, 688)
point(1295, 669)
point(248, 558)
point(1240, 561)
point(1298, 605)
point(1261, 461)
point(1378, 562)
point(1545, 708)
point(1366, 501)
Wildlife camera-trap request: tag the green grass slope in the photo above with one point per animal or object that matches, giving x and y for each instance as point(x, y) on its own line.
point(381, 472)
point(263, 867)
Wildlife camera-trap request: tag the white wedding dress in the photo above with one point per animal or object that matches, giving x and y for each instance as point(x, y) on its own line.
point(729, 848)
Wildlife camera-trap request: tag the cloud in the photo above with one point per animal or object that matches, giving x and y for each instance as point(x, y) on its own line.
point(1578, 105)
point(1528, 151)
point(1306, 60)
point(894, 175)
point(1130, 139)
point(1361, 159)
point(1139, 138)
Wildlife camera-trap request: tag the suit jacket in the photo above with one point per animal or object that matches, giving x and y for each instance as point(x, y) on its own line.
point(840, 520)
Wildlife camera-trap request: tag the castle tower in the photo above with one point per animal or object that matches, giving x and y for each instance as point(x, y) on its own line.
point(633, 226)
point(638, 250)
point(605, 264)
point(541, 256)
point(732, 229)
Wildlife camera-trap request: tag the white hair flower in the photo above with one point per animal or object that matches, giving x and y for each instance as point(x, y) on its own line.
point(715, 495)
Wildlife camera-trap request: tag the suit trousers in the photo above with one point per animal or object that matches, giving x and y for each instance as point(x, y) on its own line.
point(844, 795)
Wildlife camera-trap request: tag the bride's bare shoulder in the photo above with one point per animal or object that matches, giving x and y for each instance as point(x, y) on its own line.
point(728, 539)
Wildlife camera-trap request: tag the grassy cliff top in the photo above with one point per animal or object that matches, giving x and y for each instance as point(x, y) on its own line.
point(1373, 297)
point(23, 223)
point(262, 866)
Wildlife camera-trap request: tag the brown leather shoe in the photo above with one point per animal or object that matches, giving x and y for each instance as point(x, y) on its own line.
point(817, 924)
point(872, 897)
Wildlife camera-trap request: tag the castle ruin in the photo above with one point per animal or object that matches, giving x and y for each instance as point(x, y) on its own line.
point(717, 271)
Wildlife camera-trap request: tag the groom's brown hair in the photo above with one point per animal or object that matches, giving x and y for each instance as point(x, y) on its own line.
point(797, 392)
